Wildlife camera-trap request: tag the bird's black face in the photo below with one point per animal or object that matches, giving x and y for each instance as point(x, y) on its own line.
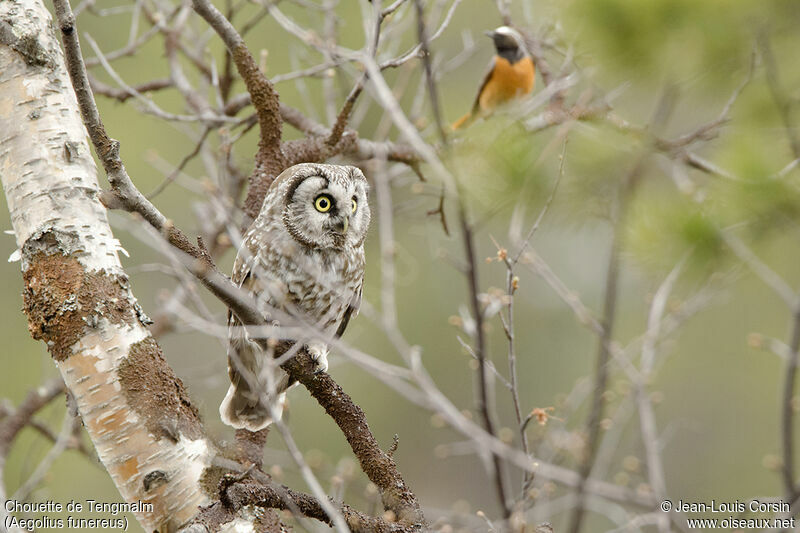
point(502, 41)
point(507, 43)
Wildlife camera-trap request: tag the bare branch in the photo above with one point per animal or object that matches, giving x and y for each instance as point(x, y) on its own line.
point(597, 402)
point(269, 160)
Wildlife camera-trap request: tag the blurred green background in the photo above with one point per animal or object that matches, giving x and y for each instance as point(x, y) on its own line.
point(717, 398)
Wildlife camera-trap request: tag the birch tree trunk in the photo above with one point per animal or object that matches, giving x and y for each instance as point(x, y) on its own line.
point(77, 297)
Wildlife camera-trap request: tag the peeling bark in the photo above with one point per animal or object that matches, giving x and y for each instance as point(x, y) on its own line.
point(77, 297)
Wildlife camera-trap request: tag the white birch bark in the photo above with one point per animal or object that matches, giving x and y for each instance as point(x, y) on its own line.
point(50, 184)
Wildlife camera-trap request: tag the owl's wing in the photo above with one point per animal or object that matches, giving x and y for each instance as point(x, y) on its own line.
point(241, 352)
point(240, 276)
point(246, 269)
point(242, 265)
point(242, 406)
point(351, 311)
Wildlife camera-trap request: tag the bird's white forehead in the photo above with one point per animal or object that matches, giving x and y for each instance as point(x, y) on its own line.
point(509, 32)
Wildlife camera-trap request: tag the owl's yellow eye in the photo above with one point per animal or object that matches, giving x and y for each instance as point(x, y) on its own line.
point(323, 203)
point(355, 205)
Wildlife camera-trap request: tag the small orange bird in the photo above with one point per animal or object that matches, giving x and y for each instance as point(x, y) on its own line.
point(510, 76)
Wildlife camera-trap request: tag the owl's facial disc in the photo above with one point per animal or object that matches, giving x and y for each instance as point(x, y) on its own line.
point(328, 213)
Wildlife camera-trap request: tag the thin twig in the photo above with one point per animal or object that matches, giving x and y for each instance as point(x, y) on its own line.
point(473, 285)
point(546, 206)
point(270, 160)
point(597, 401)
point(123, 95)
point(174, 174)
point(784, 105)
point(647, 421)
point(508, 323)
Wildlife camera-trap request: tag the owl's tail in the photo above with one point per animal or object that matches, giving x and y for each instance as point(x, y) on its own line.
point(242, 409)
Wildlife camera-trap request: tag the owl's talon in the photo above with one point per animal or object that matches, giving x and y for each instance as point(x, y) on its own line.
point(320, 363)
point(319, 355)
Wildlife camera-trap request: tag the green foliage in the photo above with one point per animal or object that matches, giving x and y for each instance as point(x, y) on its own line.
point(501, 163)
point(675, 38)
point(763, 197)
point(665, 226)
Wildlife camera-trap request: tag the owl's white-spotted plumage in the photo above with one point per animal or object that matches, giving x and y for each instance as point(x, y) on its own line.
point(303, 260)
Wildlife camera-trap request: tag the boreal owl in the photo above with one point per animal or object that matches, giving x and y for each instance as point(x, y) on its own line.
point(303, 261)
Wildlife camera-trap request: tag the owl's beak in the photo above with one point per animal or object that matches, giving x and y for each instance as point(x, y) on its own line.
point(342, 225)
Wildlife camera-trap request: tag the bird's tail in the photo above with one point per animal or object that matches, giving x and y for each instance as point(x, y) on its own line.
point(243, 410)
point(463, 122)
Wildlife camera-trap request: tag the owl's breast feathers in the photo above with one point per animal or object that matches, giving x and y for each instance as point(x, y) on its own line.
point(316, 284)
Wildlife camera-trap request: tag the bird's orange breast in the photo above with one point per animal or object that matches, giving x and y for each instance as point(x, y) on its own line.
point(507, 81)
